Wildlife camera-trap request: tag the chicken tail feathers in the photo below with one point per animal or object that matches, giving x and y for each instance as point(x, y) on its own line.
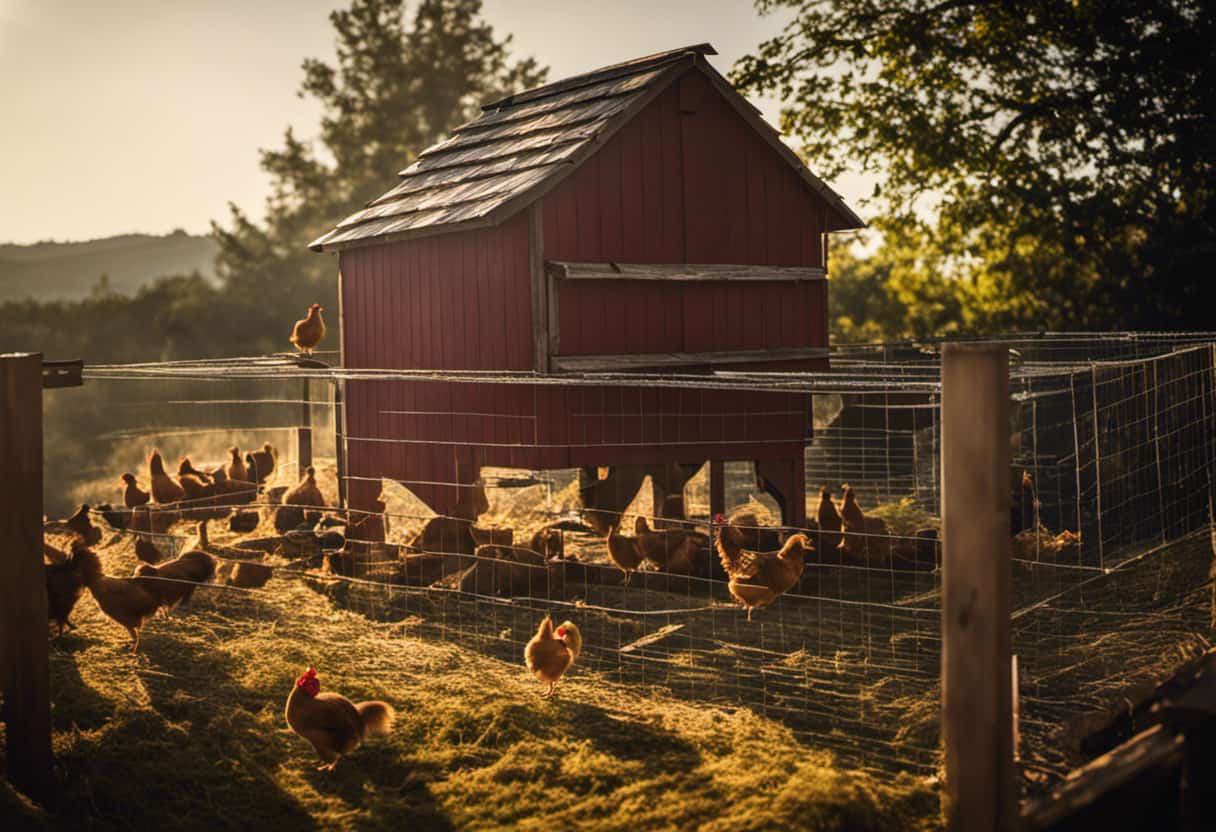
point(377, 717)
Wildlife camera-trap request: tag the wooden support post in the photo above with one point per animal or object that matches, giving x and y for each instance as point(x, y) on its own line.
point(340, 442)
point(717, 488)
point(304, 431)
point(23, 623)
point(784, 481)
point(977, 697)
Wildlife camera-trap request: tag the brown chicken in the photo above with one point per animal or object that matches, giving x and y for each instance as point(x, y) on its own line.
point(195, 484)
point(670, 549)
point(231, 492)
point(236, 469)
point(829, 522)
point(757, 579)
point(250, 575)
point(332, 723)
point(853, 520)
point(164, 489)
point(624, 552)
point(306, 493)
point(243, 522)
point(146, 551)
point(551, 652)
point(310, 331)
point(187, 467)
point(125, 600)
point(132, 495)
point(64, 586)
point(80, 524)
point(259, 465)
point(174, 582)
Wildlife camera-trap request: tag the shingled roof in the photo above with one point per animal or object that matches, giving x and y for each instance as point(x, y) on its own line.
point(523, 145)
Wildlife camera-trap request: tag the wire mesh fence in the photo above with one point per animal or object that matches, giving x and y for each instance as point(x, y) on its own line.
point(1111, 526)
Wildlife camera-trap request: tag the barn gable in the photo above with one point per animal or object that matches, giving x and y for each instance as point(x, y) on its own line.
point(523, 146)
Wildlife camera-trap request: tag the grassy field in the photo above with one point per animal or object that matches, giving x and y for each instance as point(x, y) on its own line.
point(190, 734)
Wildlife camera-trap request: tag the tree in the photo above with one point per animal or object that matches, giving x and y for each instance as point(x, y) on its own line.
point(393, 91)
point(1066, 149)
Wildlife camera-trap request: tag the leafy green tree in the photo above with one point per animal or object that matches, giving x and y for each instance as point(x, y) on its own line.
point(395, 89)
point(1065, 150)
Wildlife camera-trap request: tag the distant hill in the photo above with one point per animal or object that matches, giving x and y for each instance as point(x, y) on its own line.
point(70, 270)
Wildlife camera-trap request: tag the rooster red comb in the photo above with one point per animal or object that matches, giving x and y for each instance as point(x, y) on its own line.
point(561, 632)
point(719, 519)
point(308, 676)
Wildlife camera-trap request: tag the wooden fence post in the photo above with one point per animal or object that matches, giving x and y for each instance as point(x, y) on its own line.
point(304, 431)
point(340, 441)
point(23, 623)
point(977, 729)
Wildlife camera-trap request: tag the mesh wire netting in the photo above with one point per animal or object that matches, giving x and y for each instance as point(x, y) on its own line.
point(1111, 492)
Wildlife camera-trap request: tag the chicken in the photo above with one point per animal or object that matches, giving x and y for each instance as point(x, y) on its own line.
point(173, 582)
point(508, 570)
point(309, 332)
point(306, 493)
point(236, 469)
point(670, 549)
point(756, 537)
point(249, 575)
point(64, 586)
point(1024, 508)
point(146, 551)
point(624, 552)
point(757, 579)
point(80, 524)
point(186, 467)
point(332, 723)
point(243, 522)
point(125, 600)
point(829, 522)
point(551, 652)
point(232, 492)
point(259, 465)
point(853, 521)
point(164, 489)
point(132, 496)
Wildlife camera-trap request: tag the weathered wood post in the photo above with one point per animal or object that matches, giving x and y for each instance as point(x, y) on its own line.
point(23, 625)
point(304, 431)
point(977, 726)
point(340, 441)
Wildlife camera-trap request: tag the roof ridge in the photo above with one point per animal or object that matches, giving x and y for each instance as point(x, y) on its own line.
point(631, 67)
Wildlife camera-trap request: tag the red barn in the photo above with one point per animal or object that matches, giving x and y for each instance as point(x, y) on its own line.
point(638, 217)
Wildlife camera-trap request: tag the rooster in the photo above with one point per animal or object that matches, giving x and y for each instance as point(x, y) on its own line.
point(164, 489)
point(309, 332)
point(174, 581)
point(80, 524)
point(757, 579)
point(551, 652)
point(125, 600)
point(624, 552)
point(332, 723)
point(132, 496)
point(853, 542)
point(829, 521)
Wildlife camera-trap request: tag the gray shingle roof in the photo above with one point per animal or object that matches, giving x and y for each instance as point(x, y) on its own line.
point(517, 149)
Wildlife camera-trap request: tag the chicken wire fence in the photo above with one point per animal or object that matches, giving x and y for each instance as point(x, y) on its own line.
point(1111, 488)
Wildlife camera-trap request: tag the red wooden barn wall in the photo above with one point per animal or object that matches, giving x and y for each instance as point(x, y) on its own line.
point(696, 186)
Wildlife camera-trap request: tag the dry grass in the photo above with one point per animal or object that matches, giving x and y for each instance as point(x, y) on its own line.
point(190, 734)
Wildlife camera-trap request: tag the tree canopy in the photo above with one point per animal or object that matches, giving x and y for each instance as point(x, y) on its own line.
point(397, 86)
point(1065, 151)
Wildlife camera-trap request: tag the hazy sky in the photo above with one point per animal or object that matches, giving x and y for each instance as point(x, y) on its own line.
point(135, 115)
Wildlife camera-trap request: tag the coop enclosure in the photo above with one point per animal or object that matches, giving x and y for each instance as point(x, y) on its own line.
point(1112, 549)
